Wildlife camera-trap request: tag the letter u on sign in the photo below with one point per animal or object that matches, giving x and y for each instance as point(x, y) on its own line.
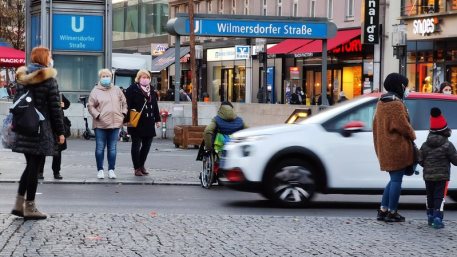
point(73, 24)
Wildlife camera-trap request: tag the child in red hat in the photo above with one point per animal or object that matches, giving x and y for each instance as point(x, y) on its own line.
point(436, 155)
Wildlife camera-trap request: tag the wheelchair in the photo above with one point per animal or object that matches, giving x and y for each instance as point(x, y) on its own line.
point(209, 173)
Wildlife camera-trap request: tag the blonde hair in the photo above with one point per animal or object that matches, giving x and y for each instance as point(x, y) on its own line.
point(103, 72)
point(141, 73)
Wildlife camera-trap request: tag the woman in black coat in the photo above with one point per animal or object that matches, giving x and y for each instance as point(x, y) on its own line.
point(39, 79)
point(138, 95)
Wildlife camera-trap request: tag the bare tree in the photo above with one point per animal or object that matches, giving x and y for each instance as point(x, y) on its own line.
point(12, 22)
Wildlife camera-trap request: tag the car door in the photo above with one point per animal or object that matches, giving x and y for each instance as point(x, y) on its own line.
point(351, 160)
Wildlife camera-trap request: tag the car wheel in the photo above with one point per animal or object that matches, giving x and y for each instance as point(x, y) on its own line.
point(291, 183)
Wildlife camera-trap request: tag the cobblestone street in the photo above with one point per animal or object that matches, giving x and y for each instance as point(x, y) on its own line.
point(212, 235)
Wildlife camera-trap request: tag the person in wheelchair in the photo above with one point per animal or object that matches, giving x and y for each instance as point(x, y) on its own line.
point(225, 123)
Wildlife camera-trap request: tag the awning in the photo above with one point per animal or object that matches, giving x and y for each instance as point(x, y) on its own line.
point(288, 46)
point(168, 58)
point(342, 37)
point(10, 57)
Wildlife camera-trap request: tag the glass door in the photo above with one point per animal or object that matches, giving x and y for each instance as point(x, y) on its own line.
point(451, 77)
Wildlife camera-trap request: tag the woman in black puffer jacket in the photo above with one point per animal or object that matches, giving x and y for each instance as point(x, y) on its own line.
point(39, 78)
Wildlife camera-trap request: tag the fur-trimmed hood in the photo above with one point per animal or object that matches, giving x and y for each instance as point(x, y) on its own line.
point(36, 77)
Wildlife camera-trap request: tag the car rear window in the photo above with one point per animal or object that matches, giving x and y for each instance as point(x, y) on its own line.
point(419, 112)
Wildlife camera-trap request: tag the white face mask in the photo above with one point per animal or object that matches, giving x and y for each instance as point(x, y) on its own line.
point(51, 63)
point(447, 92)
point(406, 93)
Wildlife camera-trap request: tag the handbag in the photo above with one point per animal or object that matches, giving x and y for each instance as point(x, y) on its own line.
point(26, 118)
point(8, 136)
point(134, 116)
point(67, 126)
point(411, 169)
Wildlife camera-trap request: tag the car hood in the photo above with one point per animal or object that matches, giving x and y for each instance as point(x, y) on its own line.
point(268, 130)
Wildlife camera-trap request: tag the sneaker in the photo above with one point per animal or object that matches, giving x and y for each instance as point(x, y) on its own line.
point(101, 174)
point(111, 174)
point(437, 223)
point(381, 215)
point(394, 217)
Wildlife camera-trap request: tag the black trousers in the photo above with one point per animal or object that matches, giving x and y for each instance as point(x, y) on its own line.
point(140, 150)
point(435, 194)
point(56, 162)
point(29, 179)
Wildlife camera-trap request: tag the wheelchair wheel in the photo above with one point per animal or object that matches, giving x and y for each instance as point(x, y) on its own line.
point(207, 174)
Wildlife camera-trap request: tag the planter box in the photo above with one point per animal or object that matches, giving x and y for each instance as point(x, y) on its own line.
point(186, 135)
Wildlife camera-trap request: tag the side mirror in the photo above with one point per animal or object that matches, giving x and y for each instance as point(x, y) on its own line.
point(352, 127)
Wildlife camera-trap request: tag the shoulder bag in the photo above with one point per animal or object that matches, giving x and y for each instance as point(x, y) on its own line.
point(134, 116)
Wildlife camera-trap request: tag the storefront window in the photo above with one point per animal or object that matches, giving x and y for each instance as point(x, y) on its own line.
point(227, 81)
point(77, 72)
point(352, 81)
point(411, 74)
point(440, 48)
point(452, 5)
point(132, 20)
point(408, 7)
point(451, 51)
point(425, 76)
point(425, 51)
point(418, 7)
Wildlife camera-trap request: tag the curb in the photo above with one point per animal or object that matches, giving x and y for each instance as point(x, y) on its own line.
point(171, 183)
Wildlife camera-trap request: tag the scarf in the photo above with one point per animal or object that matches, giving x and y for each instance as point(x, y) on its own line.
point(146, 90)
point(34, 67)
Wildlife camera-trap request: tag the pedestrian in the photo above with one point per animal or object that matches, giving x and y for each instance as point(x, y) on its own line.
point(393, 138)
point(139, 95)
point(226, 122)
point(38, 78)
point(446, 88)
point(183, 96)
point(57, 159)
point(108, 108)
point(342, 97)
point(436, 155)
point(298, 97)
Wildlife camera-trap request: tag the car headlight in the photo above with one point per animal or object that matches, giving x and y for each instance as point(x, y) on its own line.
point(248, 138)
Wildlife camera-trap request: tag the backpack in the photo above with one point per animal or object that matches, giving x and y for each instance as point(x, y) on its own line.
point(219, 141)
point(8, 136)
point(26, 118)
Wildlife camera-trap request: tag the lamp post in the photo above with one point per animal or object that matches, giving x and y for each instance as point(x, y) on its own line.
point(192, 64)
point(199, 57)
point(399, 45)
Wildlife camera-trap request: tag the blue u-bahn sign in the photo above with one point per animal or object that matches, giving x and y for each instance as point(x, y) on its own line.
point(71, 32)
point(253, 26)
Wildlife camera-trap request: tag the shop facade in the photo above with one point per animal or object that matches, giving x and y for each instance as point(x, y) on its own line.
point(431, 50)
point(350, 67)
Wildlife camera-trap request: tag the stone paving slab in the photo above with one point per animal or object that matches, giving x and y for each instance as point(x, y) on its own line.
point(166, 164)
point(159, 234)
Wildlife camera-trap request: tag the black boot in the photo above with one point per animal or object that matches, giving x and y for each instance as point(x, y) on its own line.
point(40, 176)
point(57, 175)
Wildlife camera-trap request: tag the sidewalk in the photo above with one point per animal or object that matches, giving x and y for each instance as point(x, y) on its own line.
point(166, 165)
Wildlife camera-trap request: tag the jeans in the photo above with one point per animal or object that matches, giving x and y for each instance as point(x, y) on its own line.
point(29, 179)
point(106, 138)
point(392, 192)
point(140, 150)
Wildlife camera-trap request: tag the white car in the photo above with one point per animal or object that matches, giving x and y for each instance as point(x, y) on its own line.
point(330, 152)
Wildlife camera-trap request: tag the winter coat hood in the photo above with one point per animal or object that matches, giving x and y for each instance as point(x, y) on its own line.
point(25, 78)
point(226, 112)
point(435, 140)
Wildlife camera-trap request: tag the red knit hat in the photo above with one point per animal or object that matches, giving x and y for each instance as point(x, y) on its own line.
point(437, 121)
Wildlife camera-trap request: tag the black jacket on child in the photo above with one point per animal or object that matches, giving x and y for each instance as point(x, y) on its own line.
point(150, 115)
point(43, 84)
point(436, 155)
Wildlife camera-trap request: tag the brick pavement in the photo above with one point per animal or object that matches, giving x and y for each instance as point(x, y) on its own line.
point(218, 235)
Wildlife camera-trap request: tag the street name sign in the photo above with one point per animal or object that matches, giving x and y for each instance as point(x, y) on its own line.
point(72, 32)
point(253, 27)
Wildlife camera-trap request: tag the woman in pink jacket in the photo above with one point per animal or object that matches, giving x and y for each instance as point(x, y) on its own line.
point(108, 108)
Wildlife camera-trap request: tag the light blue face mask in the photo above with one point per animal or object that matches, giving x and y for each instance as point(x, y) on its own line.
point(106, 82)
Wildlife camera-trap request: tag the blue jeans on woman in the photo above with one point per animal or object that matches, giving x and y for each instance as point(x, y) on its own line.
point(391, 195)
point(104, 138)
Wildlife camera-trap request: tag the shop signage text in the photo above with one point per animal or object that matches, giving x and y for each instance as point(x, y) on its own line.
point(77, 32)
point(257, 27)
point(424, 26)
point(353, 46)
point(158, 49)
point(12, 60)
point(371, 22)
point(242, 52)
point(294, 73)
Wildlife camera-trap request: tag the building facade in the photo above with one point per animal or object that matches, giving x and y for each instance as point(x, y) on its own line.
point(431, 49)
point(239, 80)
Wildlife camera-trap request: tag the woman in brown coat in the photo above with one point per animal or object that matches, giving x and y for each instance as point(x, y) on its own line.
point(393, 140)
